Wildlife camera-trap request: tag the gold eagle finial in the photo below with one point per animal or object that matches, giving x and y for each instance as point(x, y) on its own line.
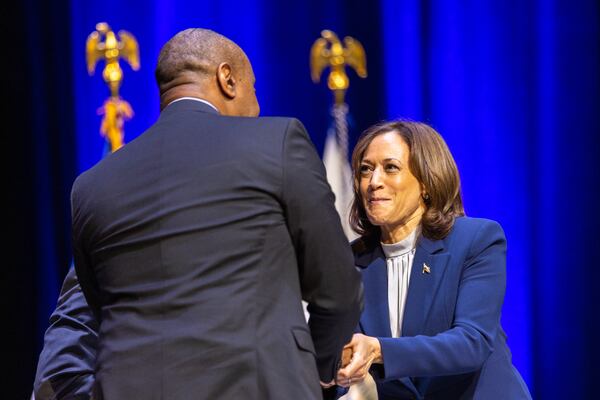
point(111, 50)
point(115, 110)
point(328, 51)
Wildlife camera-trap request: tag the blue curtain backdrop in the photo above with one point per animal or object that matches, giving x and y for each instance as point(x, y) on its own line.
point(513, 86)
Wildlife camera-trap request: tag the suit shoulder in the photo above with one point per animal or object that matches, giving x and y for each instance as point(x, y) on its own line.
point(475, 234)
point(279, 120)
point(466, 225)
point(272, 122)
point(84, 180)
point(275, 128)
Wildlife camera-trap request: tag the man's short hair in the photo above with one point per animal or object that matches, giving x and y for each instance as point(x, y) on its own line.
point(196, 50)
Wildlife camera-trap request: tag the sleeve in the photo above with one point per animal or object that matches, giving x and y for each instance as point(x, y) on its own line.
point(68, 358)
point(80, 231)
point(468, 343)
point(329, 281)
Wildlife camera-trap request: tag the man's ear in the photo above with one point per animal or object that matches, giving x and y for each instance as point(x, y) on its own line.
point(226, 80)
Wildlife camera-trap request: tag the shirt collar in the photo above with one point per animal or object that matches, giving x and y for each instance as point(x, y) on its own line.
point(195, 99)
point(404, 246)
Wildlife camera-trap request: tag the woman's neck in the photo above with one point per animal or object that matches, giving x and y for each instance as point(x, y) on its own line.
point(394, 234)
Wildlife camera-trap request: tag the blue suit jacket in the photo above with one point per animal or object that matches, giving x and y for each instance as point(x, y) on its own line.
point(453, 346)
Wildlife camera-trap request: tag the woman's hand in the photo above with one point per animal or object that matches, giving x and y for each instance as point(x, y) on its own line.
point(365, 351)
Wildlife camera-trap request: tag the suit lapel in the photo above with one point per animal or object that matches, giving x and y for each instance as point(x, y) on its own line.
point(427, 271)
point(375, 317)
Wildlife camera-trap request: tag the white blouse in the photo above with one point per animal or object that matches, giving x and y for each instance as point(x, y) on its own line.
point(399, 258)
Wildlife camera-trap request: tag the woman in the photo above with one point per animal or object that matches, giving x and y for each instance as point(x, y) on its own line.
point(434, 279)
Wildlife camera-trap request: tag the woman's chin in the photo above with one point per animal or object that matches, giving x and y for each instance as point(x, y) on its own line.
point(377, 221)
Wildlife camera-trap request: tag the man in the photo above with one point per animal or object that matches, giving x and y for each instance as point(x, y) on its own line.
point(195, 244)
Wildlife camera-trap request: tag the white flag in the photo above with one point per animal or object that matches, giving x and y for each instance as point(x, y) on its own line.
point(339, 173)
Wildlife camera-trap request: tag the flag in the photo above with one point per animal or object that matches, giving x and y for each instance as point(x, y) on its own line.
point(339, 173)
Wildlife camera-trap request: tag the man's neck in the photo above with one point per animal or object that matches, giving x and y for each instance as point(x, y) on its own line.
point(189, 88)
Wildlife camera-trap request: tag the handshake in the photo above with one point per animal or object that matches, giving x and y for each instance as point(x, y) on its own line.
point(357, 357)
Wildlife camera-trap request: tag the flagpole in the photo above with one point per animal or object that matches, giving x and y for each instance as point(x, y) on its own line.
point(328, 51)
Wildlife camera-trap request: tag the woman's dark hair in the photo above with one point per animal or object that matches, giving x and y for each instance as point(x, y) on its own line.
point(431, 162)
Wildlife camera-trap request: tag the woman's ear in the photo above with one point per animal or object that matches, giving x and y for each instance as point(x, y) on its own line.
point(226, 80)
point(424, 194)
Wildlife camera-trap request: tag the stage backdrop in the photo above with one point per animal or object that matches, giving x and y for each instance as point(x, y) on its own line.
point(513, 86)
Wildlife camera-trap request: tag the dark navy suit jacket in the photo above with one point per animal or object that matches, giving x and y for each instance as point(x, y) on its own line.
point(68, 359)
point(194, 245)
point(452, 344)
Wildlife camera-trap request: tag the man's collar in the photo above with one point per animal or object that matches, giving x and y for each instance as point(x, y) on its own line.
point(195, 99)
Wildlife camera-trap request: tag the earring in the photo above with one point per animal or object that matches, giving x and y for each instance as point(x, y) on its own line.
point(426, 197)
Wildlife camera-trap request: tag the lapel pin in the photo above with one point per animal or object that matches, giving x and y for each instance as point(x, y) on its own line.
point(426, 269)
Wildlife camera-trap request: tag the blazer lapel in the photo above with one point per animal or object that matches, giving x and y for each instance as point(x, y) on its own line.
point(427, 271)
point(375, 318)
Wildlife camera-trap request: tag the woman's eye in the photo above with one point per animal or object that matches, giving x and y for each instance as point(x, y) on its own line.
point(392, 167)
point(364, 169)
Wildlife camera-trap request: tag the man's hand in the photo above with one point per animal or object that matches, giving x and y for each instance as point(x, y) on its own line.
point(346, 355)
point(327, 385)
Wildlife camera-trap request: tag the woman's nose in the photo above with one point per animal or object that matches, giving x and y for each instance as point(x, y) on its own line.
point(375, 182)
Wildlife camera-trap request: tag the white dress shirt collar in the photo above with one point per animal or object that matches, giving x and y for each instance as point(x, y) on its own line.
point(195, 99)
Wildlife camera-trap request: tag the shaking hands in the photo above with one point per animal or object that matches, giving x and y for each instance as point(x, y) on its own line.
point(357, 357)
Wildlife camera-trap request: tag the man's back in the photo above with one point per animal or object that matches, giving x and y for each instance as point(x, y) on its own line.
point(186, 245)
